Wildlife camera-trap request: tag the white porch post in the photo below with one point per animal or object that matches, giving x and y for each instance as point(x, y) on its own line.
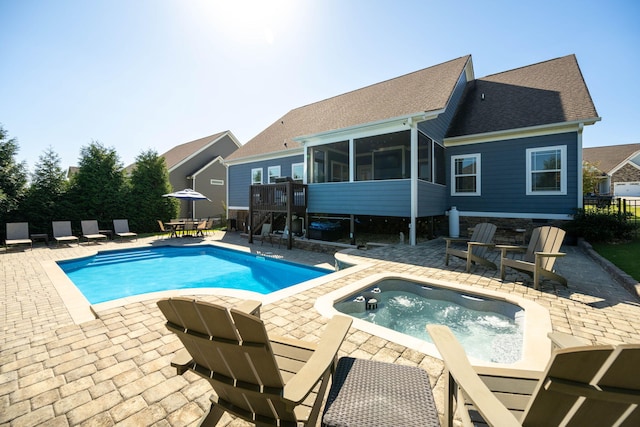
point(414, 182)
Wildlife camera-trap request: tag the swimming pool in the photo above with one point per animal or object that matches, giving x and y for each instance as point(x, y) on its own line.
point(494, 328)
point(111, 275)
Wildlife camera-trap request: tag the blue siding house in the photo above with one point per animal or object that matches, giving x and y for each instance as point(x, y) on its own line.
point(507, 147)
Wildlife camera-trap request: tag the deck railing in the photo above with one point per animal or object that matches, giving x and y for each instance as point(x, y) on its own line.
point(265, 200)
point(280, 197)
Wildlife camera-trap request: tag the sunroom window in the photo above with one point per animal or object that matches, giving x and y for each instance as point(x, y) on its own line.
point(385, 156)
point(465, 174)
point(329, 162)
point(547, 170)
point(430, 160)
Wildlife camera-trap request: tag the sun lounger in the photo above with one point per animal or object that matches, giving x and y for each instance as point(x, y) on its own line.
point(18, 234)
point(62, 232)
point(121, 228)
point(90, 230)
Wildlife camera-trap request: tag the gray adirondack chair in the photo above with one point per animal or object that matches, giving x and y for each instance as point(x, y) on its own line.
point(477, 246)
point(581, 386)
point(539, 256)
point(260, 379)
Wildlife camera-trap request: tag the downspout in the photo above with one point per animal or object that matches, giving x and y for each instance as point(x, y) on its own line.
point(580, 172)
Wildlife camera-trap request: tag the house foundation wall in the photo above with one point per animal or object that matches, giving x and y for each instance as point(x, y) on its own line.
point(509, 230)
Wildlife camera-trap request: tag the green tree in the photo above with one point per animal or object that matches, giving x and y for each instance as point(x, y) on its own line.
point(98, 190)
point(149, 181)
point(13, 177)
point(45, 201)
point(591, 177)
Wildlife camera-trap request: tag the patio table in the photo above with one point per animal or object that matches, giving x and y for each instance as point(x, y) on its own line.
point(175, 227)
point(40, 236)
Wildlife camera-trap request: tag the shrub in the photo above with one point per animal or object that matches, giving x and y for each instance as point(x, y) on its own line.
point(600, 225)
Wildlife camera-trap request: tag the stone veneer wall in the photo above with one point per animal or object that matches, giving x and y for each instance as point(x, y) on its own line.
point(506, 233)
point(627, 173)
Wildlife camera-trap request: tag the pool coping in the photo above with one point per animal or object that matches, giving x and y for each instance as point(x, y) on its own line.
point(81, 310)
point(537, 324)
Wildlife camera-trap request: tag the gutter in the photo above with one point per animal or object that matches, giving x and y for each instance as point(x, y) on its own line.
point(520, 132)
point(405, 120)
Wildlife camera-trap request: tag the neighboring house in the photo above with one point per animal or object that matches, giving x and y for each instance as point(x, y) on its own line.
point(507, 146)
point(620, 167)
point(199, 165)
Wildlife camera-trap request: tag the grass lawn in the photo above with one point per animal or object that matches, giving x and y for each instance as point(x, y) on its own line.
point(623, 255)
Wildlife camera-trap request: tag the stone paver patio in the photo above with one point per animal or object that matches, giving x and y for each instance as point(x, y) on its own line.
point(115, 370)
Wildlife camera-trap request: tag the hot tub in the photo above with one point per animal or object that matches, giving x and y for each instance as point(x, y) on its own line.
point(398, 307)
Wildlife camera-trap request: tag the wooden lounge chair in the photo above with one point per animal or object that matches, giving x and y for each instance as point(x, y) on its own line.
point(477, 246)
point(262, 380)
point(18, 234)
point(90, 230)
point(121, 228)
point(62, 232)
point(581, 386)
point(539, 255)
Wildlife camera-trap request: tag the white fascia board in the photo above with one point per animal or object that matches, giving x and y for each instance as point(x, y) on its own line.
point(369, 129)
point(218, 159)
point(266, 156)
point(517, 215)
point(520, 133)
point(194, 154)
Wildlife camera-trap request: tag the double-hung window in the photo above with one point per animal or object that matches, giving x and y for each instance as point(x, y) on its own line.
point(465, 175)
point(256, 176)
point(273, 172)
point(297, 171)
point(547, 170)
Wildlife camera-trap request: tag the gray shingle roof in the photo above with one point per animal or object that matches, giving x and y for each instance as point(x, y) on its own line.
point(546, 93)
point(182, 151)
point(421, 91)
point(609, 157)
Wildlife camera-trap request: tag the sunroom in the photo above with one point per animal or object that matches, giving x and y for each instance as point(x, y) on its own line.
point(373, 175)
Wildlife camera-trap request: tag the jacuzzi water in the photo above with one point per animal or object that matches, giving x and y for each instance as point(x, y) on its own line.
point(490, 330)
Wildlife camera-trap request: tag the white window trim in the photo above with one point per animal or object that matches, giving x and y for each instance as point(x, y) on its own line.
point(478, 175)
point(271, 169)
point(563, 171)
point(253, 172)
point(293, 166)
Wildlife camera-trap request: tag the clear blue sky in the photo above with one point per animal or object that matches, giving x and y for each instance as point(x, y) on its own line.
point(153, 74)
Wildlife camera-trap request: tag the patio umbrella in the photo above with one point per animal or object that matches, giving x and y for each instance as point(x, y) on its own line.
point(187, 194)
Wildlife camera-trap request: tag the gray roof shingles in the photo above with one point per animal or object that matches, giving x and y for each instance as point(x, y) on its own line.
point(421, 91)
point(609, 157)
point(549, 92)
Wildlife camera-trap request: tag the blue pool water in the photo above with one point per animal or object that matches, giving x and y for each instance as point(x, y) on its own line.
point(118, 274)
